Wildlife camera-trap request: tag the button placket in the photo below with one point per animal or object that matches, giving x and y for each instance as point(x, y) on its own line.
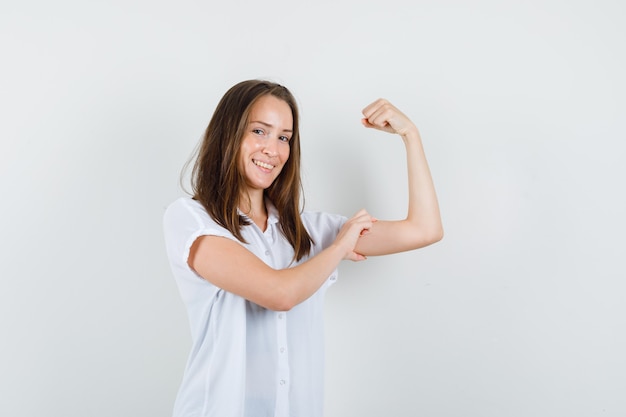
point(268, 241)
point(283, 358)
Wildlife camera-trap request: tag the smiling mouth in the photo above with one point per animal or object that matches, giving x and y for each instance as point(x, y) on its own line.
point(262, 164)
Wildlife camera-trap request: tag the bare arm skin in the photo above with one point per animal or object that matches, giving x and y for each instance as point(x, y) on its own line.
point(422, 225)
point(239, 271)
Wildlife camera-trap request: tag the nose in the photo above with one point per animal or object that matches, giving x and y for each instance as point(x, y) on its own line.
point(271, 147)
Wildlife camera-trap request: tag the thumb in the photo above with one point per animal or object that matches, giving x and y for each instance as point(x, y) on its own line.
point(366, 123)
point(385, 128)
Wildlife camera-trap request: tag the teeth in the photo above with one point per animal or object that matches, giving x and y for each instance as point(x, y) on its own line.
point(263, 165)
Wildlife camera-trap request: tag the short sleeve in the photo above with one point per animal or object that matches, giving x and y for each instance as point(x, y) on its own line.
point(323, 229)
point(183, 222)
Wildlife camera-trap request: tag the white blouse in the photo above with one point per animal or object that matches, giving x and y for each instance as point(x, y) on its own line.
point(246, 360)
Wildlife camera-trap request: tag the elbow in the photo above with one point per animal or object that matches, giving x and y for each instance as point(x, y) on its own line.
point(281, 292)
point(428, 237)
point(280, 305)
point(281, 301)
point(423, 233)
point(436, 235)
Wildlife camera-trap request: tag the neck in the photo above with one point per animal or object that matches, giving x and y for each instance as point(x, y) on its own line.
point(255, 209)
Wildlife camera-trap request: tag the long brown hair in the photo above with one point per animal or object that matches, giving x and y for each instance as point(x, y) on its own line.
point(216, 180)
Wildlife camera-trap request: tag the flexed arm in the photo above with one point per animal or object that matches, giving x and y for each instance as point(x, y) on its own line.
point(230, 266)
point(422, 225)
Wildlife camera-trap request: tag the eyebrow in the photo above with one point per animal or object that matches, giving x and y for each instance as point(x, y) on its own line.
point(269, 125)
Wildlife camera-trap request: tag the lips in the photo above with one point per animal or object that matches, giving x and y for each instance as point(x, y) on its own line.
point(262, 164)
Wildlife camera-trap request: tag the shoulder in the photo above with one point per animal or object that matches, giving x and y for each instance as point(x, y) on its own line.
point(183, 206)
point(184, 221)
point(186, 215)
point(187, 209)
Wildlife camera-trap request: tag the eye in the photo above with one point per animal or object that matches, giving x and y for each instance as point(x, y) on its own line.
point(258, 131)
point(284, 138)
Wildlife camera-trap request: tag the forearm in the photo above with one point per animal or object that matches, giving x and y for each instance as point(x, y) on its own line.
point(423, 207)
point(230, 266)
point(422, 225)
point(295, 285)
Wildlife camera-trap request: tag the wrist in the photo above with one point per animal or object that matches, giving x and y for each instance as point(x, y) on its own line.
point(411, 135)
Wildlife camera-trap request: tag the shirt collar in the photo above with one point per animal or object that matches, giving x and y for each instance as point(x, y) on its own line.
point(272, 213)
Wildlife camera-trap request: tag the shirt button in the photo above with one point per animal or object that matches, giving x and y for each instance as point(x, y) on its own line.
point(283, 382)
point(282, 350)
point(280, 316)
point(267, 253)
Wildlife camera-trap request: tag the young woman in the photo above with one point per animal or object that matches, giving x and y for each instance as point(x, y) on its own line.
point(252, 267)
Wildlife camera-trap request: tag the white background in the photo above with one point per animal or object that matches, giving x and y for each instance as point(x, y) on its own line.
point(519, 312)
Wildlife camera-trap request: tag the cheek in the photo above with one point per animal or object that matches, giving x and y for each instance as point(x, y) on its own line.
point(285, 154)
point(250, 146)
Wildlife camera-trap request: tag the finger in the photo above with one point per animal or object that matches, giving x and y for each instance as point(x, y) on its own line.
point(382, 122)
point(364, 220)
point(372, 107)
point(377, 109)
point(356, 257)
point(360, 213)
point(377, 119)
point(367, 124)
point(365, 226)
point(385, 127)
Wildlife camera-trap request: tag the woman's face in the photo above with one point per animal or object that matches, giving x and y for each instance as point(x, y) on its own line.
point(265, 145)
